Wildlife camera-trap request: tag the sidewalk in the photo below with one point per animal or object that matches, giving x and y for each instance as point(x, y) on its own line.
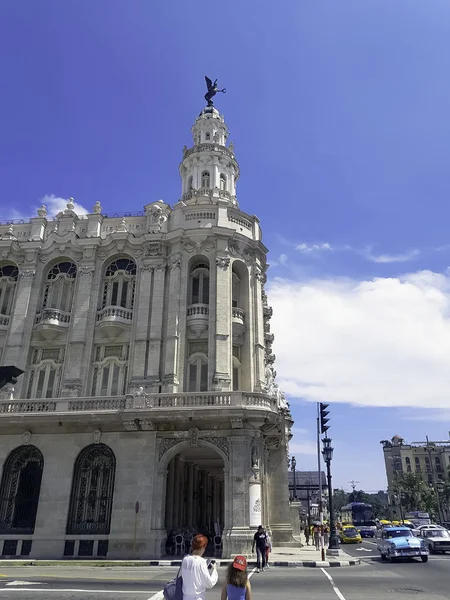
point(303, 556)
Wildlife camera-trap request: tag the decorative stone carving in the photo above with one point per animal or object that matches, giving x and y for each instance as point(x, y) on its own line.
point(97, 435)
point(175, 261)
point(27, 274)
point(146, 267)
point(153, 249)
point(166, 444)
point(97, 208)
point(255, 457)
point(70, 205)
point(193, 436)
point(220, 442)
point(71, 390)
point(42, 212)
point(131, 425)
point(223, 262)
point(86, 270)
point(7, 393)
point(237, 422)
point(26, 437)
point(147, 425)
point(123, 226)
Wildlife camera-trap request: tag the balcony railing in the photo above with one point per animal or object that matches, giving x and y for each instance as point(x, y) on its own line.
point(4, 321)
point(155, 402)
point(198, 309)
point(115, 313)
point(52, 316)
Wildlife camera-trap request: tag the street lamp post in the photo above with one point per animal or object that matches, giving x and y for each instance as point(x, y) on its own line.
point(328, 456)
point(293, 465)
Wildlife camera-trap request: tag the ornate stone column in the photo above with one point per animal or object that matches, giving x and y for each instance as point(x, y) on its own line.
point(156, 322)
point(141, 323)
point(171, 358)
point(222, 375)
point(190, 494)
point(22, 318)
point(170, 495)
point(259, 342)
point(75, 375)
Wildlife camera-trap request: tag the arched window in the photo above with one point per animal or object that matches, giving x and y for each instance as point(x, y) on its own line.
point(205, 179)
point(235, 285)
point(45, 371)
point(198, 373)
point(223, 182)
point(207, 136)
point(8, 281)
point(190, 183)
point(59, 286)
point(408, 464)
point(92, 491)
point(110, 370)
point(20, 489)
point(119, 283)
point(200, 284)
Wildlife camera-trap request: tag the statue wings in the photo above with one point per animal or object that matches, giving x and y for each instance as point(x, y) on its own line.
point(209, 83)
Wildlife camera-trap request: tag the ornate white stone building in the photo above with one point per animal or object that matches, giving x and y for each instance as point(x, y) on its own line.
point(148, 402)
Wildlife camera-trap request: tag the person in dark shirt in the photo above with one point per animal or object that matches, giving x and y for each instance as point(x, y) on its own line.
point(260, 541)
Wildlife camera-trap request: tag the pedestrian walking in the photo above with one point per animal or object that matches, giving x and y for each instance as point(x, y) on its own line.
point(197, 574)
point(237, 585)
point(326, 535)
point(307, 534)
point(268, 548)
point(259, 540)
point(316, 534)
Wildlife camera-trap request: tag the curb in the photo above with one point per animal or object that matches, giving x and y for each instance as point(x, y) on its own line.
point(168, 563)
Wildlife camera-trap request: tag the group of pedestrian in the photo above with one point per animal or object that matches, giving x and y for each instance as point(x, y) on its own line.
point(315, 532)
point(197, 574)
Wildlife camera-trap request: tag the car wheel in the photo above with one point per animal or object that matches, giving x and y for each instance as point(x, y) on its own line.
point(383, 556)
point(424, 558)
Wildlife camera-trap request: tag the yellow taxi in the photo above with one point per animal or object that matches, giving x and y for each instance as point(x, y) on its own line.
point(350, 535)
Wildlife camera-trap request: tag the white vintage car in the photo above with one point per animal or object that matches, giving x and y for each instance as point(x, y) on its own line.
point(399, 542)
point(437, 540)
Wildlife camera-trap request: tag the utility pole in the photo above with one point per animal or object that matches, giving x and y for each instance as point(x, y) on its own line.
point(435, 486)
point(353, 484)
point(319, 474)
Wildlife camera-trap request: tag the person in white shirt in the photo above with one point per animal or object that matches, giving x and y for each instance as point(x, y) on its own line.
point(197, 577)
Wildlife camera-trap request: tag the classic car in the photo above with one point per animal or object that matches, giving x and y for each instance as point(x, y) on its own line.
point(349, 535)
point(399, 542)
point(437, 540)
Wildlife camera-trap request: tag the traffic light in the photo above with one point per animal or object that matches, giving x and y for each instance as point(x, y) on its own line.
point(323, 417)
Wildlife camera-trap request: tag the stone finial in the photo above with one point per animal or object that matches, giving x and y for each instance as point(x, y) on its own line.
point(231, 147)
point(70, 204)
point(9, 233)
point(97, 208)
point(123, 226)
point(42, 212)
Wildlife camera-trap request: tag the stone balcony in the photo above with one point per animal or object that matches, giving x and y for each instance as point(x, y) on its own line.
point(50, 323)
point(114, 319)
point(198, 318)
point(238, 319)
point(159, 408)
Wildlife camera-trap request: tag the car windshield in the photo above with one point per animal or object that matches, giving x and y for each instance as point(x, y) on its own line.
point(399, 533)
point(350, 531)
point(437, 533)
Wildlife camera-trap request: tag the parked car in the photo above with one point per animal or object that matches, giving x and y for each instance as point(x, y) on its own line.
point(418, 530)
point(399, 542)
point(437, 540)
point(349, 535)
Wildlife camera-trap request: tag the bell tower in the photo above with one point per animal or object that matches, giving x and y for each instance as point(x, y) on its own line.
point(209, 170)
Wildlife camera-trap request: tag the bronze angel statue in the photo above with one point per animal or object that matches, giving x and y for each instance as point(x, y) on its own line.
point(212, 90)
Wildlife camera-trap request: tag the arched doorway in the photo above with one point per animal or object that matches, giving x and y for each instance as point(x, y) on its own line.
point(195, 493)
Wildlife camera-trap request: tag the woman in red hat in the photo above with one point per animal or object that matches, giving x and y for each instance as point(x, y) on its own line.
point(238, 585)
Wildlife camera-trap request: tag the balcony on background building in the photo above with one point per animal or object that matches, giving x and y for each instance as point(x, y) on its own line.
point(4, 321)
point(50, 323)
point(238, 316)
point(198, 318)
point(114, 319)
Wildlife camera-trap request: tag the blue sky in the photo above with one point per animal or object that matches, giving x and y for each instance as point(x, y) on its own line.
point(339, 115)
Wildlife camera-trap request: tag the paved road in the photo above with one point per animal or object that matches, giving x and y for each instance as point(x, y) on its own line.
point(373, 580)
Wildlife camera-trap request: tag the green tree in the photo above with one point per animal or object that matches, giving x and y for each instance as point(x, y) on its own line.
point(414, 493)
point(340, 499)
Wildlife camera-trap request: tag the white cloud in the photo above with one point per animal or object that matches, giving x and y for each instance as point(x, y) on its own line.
point(305, 447)
point(314, 248)
point(384, 342)
point(56, 205)
point(391, 258)
point(282, 259)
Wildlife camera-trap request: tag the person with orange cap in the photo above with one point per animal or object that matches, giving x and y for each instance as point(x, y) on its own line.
point(237, 586)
